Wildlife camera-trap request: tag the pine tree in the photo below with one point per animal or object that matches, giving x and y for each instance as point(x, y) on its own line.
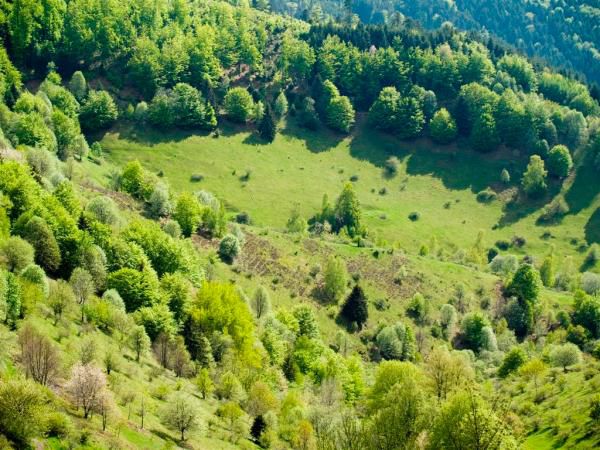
point(356, 308)
point(267, 128)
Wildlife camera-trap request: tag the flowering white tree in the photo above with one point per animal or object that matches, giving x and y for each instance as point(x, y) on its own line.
point(87, 386)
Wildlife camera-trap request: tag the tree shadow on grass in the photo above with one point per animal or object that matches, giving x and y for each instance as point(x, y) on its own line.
point(164, 436)
point(317, 141)
point(457, 166)
point(585, 187)
point(592, 228)
point(524, 206)
point(147, 135)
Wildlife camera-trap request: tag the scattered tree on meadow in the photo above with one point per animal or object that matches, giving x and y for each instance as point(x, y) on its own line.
point(534, 178)
point(565, 355)
point(355, 309)
point(180, 414)
point(86, 387)
point(238, 104)
point(39, 355)
point(335, 278)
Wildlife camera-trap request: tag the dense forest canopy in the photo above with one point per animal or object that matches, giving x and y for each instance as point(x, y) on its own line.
point(563, 32)
point(128, 304)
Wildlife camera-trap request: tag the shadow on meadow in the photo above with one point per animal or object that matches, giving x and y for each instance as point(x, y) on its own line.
point(317, 141)
point(585, 187)
point(592, 228)
point(457, 166)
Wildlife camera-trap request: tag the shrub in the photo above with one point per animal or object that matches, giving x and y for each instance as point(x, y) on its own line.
point(391, 166)
point(557, 209)
point(238, 104)
point(559, 161)
point(502, 245)
point(196, 177)
point(414, 216)
point(486, 196)
point(229, 248)
point(99, 111)
point(442, 127)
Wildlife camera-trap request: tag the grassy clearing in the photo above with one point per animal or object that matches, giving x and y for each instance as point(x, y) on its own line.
point(299, 167)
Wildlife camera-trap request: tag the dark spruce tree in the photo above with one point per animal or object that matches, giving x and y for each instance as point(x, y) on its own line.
point(267, 127)
point(355, 310)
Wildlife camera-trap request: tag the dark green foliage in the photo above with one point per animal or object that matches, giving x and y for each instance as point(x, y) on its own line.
point(41, 237)
point(514, 359)
point(267, 127)
point(399, 114)
point(355, 309)
point(98, 112)
point(229, 248)
point(472, 331)
point(525, 284)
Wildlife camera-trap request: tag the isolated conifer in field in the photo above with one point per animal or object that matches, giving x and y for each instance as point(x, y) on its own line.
point(267, 128)
point(356, 308)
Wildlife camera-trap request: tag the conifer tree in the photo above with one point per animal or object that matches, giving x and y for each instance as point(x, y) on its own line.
point(356, 309)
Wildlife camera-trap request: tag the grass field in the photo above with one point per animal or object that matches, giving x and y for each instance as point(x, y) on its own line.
point(299, 167)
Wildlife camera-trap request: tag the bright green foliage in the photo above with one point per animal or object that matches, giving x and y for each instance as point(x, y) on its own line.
point(187, 213)
point(307, 322)
point(13, 300)
point(280, 108)
point(36, 275)
point(182, 107)
point(261, 302)
point(17, 254)
point(525, 284)
point(98, 112)
point(587, 313)
point(218, 308)
point(137, 288)
point(31, 129)
point(565, 355)
point(512, 121)
point(47, 254)
point(534, 178)
point(472, 331)
point(559, 161)
point(104, 210)
point(548, 271)
point(389, 374)
point(484, 137)
point(297, 58)
point(399, 114)
point(139, 341)
point(296, 223)
point(23, 408)
point(78, 85)
point(442, 127)
point(238, 104)
point(521, 70)
point(176, 291)
point(467, 421)
point(67, 131)
point(513, 360)
point(335, 279)
point(397, 342)
point(355, 309)
point(93, 259)
point(135, 181)
point(339, 114)
point(60, 98)
point(347, 212)
point(156, 319)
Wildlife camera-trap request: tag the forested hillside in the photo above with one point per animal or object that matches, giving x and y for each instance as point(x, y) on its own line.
point(225, 228)
point(564, 33)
